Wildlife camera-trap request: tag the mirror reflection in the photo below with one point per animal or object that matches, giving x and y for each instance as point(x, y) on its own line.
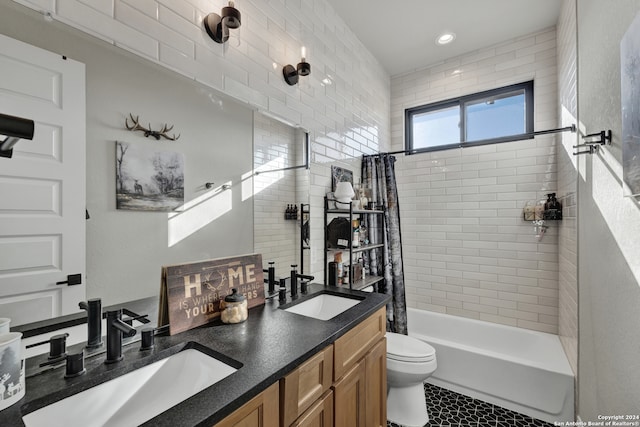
point(221, 141)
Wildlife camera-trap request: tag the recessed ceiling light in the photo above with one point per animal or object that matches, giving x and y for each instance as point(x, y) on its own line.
point(445, 38)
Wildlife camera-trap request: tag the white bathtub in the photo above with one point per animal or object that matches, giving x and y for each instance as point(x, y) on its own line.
point(518, 369)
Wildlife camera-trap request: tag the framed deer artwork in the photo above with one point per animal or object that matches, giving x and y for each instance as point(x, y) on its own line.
point(148, 179)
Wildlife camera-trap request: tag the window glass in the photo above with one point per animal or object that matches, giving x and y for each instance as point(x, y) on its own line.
point(498, 115)
point(433, 128)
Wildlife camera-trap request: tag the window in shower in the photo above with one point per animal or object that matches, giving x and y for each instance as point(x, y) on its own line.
point(498, 115)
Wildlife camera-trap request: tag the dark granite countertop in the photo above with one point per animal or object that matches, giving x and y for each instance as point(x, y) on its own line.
point(270, 344)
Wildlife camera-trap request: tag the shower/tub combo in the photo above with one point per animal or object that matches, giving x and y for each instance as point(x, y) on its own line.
point(519, 369)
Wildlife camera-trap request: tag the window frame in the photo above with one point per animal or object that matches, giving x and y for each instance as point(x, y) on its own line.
point(461, 102)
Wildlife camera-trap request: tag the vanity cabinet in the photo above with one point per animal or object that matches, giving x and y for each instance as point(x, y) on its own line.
point(343, 385)
point(376, 385)
point(261, 411)
point(319, 415)
point(350, 389)
point(360, 374)
point(305, 385)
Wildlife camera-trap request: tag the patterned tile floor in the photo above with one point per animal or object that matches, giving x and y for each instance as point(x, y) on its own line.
point(447, 408)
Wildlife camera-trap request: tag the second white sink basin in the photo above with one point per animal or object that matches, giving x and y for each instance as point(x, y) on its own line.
point(323, 306)
point(138, 396)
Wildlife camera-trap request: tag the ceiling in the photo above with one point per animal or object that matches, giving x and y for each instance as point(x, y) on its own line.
point(402, 34)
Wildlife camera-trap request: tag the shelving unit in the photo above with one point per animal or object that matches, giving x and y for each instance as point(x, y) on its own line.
point(305, 215)
point(369, 280)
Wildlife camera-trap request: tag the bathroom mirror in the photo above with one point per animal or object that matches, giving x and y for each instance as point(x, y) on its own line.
point(125, 250)
point(281, 194)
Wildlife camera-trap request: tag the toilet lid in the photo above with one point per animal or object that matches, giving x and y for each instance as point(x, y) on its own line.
point(408, 349)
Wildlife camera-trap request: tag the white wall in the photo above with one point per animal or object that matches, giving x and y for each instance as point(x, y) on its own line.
point(609, 225)
point(467, 250)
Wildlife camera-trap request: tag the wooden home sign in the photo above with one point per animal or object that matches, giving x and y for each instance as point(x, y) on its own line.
point(190, 294)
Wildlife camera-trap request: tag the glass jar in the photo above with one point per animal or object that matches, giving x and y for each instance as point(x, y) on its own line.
point(234, 308)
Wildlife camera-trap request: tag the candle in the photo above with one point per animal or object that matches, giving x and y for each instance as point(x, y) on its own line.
point(303, 52)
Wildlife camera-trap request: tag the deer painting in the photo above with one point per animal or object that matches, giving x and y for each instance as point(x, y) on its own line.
point(137, 188)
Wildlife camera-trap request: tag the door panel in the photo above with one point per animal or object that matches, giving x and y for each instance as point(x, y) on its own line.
point(42, 187)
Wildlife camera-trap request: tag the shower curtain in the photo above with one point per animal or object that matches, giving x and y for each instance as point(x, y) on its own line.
point(378, 173)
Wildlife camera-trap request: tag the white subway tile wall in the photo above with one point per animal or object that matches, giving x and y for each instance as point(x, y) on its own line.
point(274, 148)
point(467, 250)
point(567, 184)
point(344, 103)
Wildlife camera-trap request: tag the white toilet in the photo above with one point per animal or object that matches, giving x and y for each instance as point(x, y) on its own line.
point(409, 362)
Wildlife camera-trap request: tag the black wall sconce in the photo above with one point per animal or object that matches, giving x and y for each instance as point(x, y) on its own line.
point(13, 129)
point(292, 73)
point(218, 26)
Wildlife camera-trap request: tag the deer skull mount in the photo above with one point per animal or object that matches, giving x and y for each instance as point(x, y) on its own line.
point(157, 134)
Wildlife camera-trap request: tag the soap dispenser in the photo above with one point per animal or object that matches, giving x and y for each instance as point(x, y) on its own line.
point(553, 208)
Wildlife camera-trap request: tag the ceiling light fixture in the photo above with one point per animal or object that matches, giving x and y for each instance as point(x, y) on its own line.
point(292, 73)
point(445, 38)
point(218, 26)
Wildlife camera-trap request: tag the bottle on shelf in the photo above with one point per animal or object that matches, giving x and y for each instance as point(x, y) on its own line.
point(539, 210)
point(529, 211)
point(338, 260)
point(355, 224)
point(552, 207)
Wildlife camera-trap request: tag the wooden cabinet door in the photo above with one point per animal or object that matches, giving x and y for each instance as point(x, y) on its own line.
point(350, 398)
point(319, 415)
point(305, 385)
point(261, 411)
point(376, 385)
point(352, 346)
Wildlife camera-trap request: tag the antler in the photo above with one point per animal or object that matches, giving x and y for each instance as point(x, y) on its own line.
point(136, 125)
point(148, 131)
point(163, 133)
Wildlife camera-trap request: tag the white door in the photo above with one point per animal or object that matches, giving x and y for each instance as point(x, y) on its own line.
point(42, 187)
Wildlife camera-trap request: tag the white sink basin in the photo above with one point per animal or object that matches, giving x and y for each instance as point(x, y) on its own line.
point(135, 397)
point(323, 306)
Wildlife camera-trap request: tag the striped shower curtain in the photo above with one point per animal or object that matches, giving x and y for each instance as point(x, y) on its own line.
point(378, 173)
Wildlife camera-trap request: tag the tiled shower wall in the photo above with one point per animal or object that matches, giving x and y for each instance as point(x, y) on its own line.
point(467, 250)
point(567, 183)
point(274, 147)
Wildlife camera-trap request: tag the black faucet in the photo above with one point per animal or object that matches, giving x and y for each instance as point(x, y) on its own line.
point(294, 280)
point(116, 329)
point(94, 321)
point(271, 280)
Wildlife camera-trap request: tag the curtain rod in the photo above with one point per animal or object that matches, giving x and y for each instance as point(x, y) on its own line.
point(571, 128)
